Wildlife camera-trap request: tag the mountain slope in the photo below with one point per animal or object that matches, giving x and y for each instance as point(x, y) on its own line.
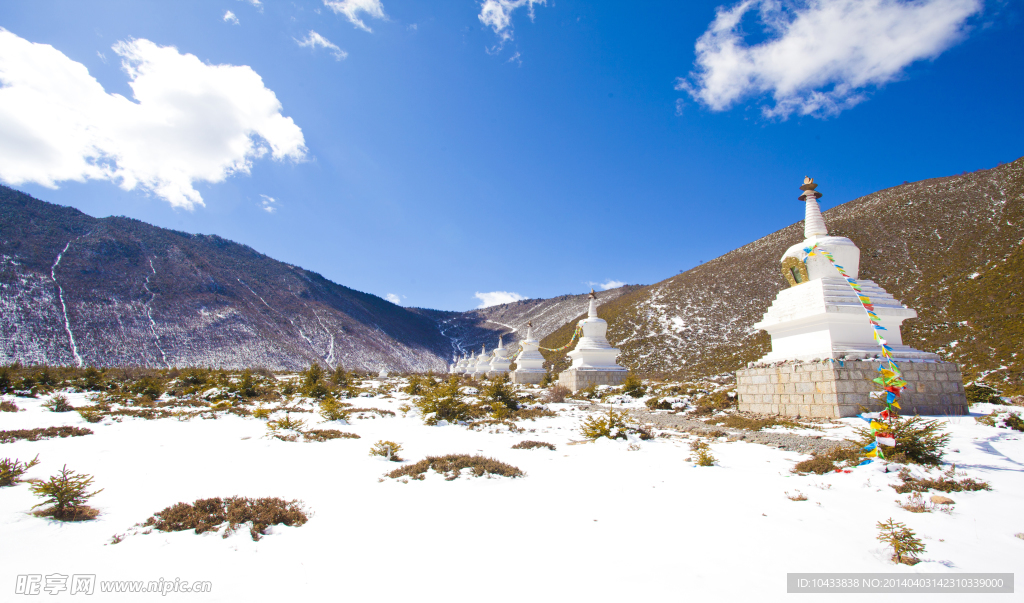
point(116, 291)
point(948, 247)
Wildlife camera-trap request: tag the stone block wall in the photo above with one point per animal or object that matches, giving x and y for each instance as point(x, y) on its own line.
point(828, 389)
point(527, 378)
point(576, 380)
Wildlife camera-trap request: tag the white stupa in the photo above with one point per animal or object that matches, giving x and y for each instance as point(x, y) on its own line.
point(593, 360)
point(529, 362)
point(482, 363)
point(819, 316)
point(824, 355)
point(500, 363)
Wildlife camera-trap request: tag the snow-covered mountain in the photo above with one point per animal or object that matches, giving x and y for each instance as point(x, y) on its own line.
point(77, 290)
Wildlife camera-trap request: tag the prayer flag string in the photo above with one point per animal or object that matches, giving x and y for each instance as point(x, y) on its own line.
point(891, 379)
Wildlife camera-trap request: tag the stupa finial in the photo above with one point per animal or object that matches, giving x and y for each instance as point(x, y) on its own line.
point(500, 343)
point(592, 313)
point(814, 224)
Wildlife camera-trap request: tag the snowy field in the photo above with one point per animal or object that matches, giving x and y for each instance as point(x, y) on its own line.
point(590, 521)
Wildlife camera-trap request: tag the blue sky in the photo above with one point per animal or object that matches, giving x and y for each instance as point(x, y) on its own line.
point(435, 151)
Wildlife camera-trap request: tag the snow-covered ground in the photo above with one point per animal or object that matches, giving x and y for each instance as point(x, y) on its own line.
point(604, 521)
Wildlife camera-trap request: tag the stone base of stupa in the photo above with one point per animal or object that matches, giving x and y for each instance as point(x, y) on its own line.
point(493, 374)
point(577, 379)
point(527, 378)
point(833, 390)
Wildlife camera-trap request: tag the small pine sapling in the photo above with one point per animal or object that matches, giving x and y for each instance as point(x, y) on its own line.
point(632, 386)
point(702, 451)
point(387, 449)
point(10, 470)
point(614, 425)
point(59, 403)
point(66, 494)
point(261, 412)
point(905, 545)
point(333, 410)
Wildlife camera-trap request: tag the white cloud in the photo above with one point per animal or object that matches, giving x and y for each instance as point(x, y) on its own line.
point(391, 297)
point(820, 56)
point(190, 122)
point(267, 204)
point(609, 284)
point(229, 17)
point(256, 3)
point(313, 40)
point(497, 297)
point(351, 8)
point(497, 14)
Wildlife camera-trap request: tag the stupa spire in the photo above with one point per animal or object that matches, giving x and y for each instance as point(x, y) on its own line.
point(814, 224)
point(592, 313)
point(529, 329)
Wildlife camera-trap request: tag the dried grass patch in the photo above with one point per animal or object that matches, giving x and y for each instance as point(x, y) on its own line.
point(209, 514)
point(451, 465)
point(531, 444)
point(42, 433)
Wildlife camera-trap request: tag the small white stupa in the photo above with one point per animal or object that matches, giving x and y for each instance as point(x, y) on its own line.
point(500, 363)
point(482, 364)
point(824, 355)
point(529, 362)
point(593, 360)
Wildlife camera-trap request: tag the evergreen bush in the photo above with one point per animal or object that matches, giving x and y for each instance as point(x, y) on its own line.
point(387, 449)
point(66, 494)
point(333, 410)
point(59, 403)
point(917, 441)
point(977, 393)
point(905, 544)
point(614, 425)
point(702, 452)
point(11, 471)
point(633, 386)
point(444, 402)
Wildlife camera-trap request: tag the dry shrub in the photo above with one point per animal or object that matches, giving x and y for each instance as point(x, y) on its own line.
point(524, 414)
point(42, 433)
point(208, 514)
point(530, 444)
point(835, 459)
point(658, 404)
point(752, 424)
point(947, 482)
point(712, 403)
point(798, 496)
point(451, 465)
point(380, 412)
point(556, 393)
point(914, 503)
point(322, 435)
point(6, 406)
